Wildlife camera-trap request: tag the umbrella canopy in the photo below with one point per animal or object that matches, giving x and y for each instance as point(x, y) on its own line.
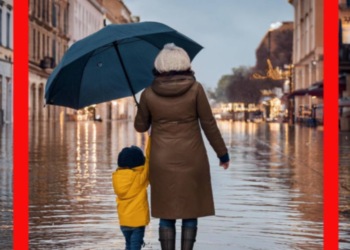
point(112, 63)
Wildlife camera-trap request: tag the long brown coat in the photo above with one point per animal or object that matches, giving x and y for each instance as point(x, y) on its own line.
point(177, 107)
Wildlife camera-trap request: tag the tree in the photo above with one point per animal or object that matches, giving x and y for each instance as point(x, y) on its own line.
point(221, 89)
point(241, 87)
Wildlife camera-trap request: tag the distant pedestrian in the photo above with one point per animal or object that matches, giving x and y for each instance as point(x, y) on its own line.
point(176, 107)
point(130, 181)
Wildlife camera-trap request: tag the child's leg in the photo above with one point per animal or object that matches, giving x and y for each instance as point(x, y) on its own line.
point(136, 239)
point(127, 232)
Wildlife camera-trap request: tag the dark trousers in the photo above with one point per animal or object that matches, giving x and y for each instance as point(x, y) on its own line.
point(185, 223)
point(133, 237)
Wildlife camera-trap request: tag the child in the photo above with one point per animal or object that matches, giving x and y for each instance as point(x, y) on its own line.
point(130, 182)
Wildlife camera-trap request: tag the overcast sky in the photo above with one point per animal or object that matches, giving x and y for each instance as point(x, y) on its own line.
point(229, 30)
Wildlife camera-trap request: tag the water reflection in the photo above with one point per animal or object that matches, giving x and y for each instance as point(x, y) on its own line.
point(270, 198)
point(344, 190)
point(277, 186)
point(6, 194)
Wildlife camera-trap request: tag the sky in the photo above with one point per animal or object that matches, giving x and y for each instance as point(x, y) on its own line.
point(229, 30)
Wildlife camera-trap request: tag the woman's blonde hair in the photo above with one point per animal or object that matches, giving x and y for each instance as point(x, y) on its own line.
point(172, 58)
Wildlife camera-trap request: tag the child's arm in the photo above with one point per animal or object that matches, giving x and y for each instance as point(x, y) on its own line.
point(145, 173)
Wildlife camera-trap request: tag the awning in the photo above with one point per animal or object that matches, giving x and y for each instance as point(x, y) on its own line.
point(316, 89)
point(298, 92)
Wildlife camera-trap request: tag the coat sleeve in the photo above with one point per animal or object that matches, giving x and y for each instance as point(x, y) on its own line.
point(143, 117)
point(144, 177)
point(208, 123)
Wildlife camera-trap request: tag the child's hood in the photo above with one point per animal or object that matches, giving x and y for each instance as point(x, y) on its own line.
point(123, 180)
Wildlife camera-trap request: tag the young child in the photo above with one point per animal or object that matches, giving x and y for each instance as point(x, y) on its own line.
point(130, 182)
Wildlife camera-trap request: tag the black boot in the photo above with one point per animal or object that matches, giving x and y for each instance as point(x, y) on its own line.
point(167, 238)
point(188, 237)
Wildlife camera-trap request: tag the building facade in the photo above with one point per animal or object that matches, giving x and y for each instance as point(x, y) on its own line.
point(307, 57)
point(85, 17)
point(277, 47)
point(54, 26)
point(48, 41)
point(6, 61)
point(344, 64)
point(121, 109)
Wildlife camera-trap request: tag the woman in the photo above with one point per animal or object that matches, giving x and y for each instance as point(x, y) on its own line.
point(176, 107)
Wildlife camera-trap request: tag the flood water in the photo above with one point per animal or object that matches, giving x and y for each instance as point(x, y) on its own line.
point(6, 212)
point(344, 190)
point(269, 198)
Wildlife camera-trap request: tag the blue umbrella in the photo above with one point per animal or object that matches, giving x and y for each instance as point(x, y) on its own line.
point(112, 63)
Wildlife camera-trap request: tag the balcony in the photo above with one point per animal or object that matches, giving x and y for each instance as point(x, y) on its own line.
point(47, 63)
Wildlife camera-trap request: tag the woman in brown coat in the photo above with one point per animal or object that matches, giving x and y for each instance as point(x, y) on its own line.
point(176, 107)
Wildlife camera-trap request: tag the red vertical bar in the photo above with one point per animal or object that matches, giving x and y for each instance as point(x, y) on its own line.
point(20, 125)
point(331, 121)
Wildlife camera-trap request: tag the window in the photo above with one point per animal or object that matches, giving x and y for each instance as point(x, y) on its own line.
point(0, 92)
point(39, 47)
point(43, 9)
point(53, 15)
point(345, 21)
point(8, 29)
point(44, 46)
point(48, 46)
point(0, 26)
point(34, 44)
point(54, 50)
point(65, 22)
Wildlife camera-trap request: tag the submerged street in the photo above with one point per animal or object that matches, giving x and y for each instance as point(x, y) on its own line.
point(269, 198)
point(6, 190)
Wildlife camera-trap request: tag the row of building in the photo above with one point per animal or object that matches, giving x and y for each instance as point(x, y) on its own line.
point(301, 98)
point(304, 75)
point(306, 94)
point(344, 64)
point(6, 61)
point(54, 25)
point(289, 64)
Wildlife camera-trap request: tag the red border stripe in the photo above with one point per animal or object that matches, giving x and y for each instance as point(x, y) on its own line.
point(331, 81)
point(20, 125)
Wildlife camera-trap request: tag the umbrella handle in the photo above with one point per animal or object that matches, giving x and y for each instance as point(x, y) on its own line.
point(115, 44)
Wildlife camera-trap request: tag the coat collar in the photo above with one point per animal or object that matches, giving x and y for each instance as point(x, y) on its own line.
point(172, 85)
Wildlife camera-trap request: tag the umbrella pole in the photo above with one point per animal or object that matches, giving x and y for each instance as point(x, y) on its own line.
point(115, 44)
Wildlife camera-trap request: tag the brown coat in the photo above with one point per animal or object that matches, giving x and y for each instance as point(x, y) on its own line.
point(177, 107)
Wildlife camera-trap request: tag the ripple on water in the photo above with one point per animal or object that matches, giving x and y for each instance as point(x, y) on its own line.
point(269, 198)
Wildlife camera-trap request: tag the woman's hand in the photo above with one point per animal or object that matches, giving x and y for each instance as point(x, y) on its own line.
point(225, 164)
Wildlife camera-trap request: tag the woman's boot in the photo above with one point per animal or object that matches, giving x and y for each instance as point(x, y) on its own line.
point(188, 237)
point(167, 238)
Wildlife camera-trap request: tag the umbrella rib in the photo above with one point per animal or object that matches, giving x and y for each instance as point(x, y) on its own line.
point(125, 72)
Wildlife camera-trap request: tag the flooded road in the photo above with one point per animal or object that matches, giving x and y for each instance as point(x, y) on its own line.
point(344, 190)
point(6, 212)
point(269, 198)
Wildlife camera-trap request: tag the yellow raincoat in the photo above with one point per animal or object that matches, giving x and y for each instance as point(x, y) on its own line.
point(130, 186)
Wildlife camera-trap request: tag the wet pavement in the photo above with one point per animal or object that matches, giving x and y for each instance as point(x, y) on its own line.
point(344, 190)
point(6, 212)
point(269, 198)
